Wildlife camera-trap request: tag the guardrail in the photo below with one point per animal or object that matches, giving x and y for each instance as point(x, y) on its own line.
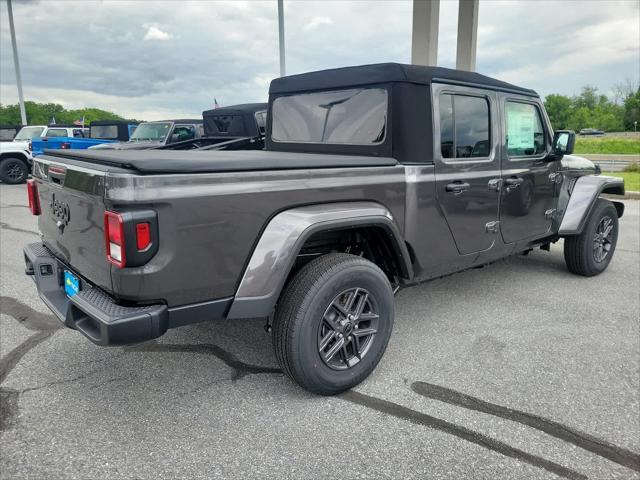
point(609, 162)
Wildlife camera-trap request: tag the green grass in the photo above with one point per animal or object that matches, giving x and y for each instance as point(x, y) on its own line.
point(607, 145)
point(631, 180)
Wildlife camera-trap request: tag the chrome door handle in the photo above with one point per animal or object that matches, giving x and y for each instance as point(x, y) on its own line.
point(513, 183)
point(457, 187)
point(495, 184)
point(555, 177)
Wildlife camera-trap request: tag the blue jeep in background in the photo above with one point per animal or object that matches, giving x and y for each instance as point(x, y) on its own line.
point(106, 131)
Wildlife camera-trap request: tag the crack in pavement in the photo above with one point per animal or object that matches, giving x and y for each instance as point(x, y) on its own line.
point(27, 316)
point(11, 359)
point(8, 408)
point(6, 226)
point(419, 418)
point(45, 326)
point(13, 205)
point(239, 368)
point(600, 447)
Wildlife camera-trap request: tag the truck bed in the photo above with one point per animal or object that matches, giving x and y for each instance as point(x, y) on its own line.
point(224, 199)
point(148, 162)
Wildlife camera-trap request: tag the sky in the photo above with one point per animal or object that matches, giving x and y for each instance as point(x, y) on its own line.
point(169, 59)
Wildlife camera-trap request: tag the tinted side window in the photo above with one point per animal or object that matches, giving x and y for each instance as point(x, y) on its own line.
point(182, 133)
point(261, 121)
point(446, 126)
point(57, 132)
point(230, 124)
point(464, 126)
point(354, 117)
point(109, 132)
point(525, 133)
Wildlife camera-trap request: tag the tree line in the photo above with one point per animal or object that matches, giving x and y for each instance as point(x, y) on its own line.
point(591, 109)
point(46, 113)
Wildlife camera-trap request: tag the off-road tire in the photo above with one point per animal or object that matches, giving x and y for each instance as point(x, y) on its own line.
point(300, 315)
point(13, 170)
point(580, 250)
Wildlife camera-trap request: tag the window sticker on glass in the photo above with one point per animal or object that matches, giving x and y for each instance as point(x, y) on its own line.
point(525, 135)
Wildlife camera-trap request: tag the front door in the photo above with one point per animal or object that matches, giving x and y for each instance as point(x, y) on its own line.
point(529, 179)
point(467, 164)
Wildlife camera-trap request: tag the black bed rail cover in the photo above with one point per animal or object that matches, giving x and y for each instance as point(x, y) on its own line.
point(147, 162)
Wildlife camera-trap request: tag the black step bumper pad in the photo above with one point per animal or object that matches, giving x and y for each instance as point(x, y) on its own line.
point(91, 311)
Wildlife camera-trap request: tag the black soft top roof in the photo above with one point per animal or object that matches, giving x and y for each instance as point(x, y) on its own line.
point(114, 122)
point(240, 109)
point(386, 73)
point(178, 120)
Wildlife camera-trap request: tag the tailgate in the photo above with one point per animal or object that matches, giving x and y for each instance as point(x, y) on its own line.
point(72, 218)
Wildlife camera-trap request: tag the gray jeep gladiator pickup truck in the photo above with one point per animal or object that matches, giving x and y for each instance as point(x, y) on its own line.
point(373, 178)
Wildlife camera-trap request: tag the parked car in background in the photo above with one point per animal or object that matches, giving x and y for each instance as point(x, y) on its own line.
point(591, 131)
point(15, 162)
point(236, 127)
point(374, 178)
point(156, 134)
point(8, 132)
point(244, 120)
point(99, 132)
point(16, 157)
point(29, 132)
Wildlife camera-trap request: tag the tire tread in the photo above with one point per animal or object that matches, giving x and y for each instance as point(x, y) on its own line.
point(291, 307)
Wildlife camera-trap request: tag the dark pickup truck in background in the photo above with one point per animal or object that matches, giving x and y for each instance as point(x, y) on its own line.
point(157, 134)
point(236, 127)
point(374, 178)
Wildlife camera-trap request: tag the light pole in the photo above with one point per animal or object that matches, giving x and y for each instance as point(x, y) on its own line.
point(16, 64)
point(283, 69)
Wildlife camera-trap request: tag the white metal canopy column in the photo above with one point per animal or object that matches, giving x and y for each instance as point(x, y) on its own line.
point(467, 35)
point(424, 36)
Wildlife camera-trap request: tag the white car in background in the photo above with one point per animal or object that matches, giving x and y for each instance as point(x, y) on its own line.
point(15, 156)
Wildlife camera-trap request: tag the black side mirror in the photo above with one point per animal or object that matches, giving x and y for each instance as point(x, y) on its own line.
point(563, 142)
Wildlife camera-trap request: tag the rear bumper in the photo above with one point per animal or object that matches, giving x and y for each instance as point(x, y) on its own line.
point(97, 315)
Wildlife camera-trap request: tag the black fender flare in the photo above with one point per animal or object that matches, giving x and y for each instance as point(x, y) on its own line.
point(285, 234)
point(584, 194)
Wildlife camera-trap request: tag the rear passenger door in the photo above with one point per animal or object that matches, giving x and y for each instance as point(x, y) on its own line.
point(530, 180)
point(467, 164)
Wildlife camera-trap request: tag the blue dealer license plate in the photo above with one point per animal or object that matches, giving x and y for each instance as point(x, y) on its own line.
point(71, 283)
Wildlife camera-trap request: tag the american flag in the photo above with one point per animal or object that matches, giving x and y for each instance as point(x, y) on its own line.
point(215, 103)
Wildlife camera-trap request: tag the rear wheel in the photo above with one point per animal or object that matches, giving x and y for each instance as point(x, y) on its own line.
point(333, 323)
point(589, 253)
point(13, 171)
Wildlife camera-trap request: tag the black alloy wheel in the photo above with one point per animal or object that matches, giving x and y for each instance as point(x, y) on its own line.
point(348, 329)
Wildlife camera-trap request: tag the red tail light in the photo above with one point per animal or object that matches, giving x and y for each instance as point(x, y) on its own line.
point(115, 239)
point(143, 236)
point(34, 199)
point(65, 145)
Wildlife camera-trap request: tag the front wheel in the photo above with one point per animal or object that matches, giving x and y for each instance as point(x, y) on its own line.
point(589, 253)
point(13, 171)
point(333, 323)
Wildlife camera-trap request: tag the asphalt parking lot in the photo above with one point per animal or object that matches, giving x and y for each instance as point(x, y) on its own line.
point(515, 370)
